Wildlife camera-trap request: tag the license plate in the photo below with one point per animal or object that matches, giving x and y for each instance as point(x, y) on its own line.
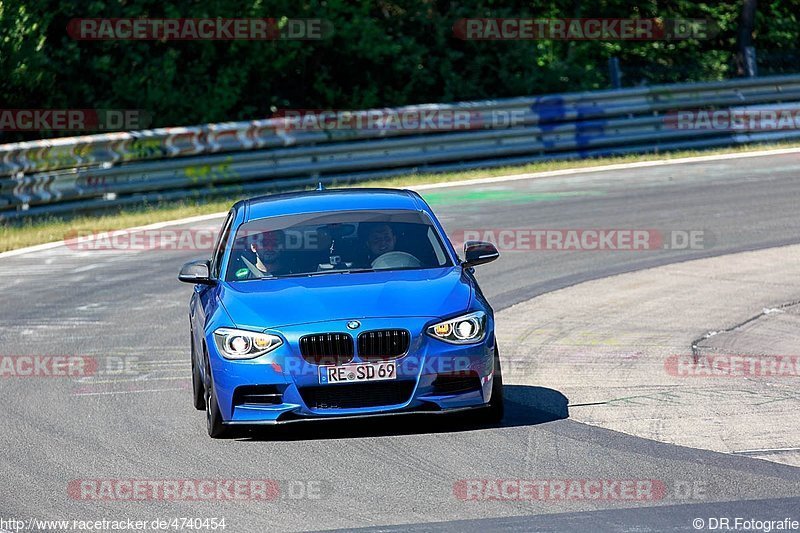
point(357, 372)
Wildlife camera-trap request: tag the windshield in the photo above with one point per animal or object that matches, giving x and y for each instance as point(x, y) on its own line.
point(335, 243)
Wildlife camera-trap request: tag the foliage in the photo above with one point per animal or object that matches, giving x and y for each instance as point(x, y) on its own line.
point(381, 53)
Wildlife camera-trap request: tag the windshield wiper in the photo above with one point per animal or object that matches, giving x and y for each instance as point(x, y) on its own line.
point(320, 273)
point(345, 271)
point(312, 274)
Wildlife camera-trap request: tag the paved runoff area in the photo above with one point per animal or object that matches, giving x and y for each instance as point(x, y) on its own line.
point(703, 353)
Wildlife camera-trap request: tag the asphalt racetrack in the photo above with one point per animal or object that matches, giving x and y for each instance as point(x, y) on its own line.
point(127, 308)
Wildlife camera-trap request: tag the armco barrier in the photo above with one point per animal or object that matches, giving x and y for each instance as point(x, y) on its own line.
point(93, 171)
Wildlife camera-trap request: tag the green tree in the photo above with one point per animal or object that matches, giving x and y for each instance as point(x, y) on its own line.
point(381, 53)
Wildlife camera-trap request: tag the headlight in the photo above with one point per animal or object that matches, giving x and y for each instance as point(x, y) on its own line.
point(461, 330)
point(240, 344)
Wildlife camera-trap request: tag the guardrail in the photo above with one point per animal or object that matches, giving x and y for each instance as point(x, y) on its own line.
point(95, 171)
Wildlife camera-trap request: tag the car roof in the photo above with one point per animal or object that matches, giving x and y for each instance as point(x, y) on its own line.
point(330, 200)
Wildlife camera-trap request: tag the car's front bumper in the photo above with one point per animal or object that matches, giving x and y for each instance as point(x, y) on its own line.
point(381, 414)
point(421, 372)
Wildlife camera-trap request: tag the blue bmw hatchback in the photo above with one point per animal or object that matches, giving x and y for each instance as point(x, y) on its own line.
point(339, 304)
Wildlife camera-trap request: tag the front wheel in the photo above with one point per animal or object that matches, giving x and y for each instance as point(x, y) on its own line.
point(216, 429)
point(198, 391)
point(495, 409)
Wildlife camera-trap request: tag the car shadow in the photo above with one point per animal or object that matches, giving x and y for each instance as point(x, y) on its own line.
point(524, 406)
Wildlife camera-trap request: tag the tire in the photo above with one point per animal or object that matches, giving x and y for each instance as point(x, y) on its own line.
point(198, 390)
point(496, 409)
point(214, 425)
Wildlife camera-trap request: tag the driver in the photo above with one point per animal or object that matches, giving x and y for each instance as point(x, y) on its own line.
point(267, 252)
point(380, 240)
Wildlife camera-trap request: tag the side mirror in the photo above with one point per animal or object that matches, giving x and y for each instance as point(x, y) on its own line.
point(478, 253)
point(196, 272)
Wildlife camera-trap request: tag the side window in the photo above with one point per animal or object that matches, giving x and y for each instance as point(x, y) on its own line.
point(219, 249)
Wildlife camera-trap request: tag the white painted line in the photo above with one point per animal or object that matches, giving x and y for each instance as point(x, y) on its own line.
point(158, 364)
point(86, 268)
point(126, 392)
point(157, 225)
point(766, 450)
point(32, 249)
point(132, 380)
point(606, 168)
point(477, 181)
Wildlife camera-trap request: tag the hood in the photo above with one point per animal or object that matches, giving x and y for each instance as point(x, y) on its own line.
point(278, 302)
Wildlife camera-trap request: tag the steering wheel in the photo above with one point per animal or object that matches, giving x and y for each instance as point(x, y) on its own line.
point(252, 268)
point(396, 260)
